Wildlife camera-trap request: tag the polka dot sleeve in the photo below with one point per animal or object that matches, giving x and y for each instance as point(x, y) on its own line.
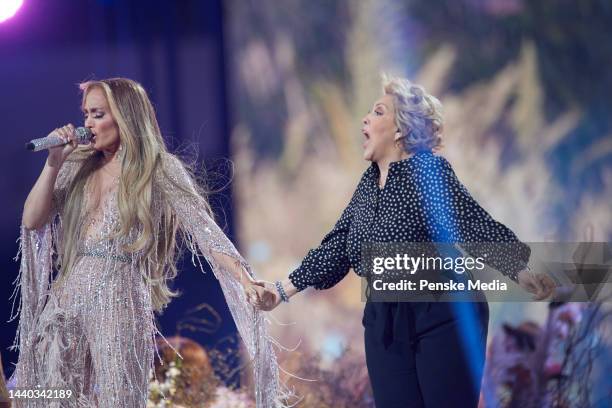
point(452, 215)
point(326, 265)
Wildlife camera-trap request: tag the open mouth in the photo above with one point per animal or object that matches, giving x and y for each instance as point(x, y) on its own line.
point(366, 135)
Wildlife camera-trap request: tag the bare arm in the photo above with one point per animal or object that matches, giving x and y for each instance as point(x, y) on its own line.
point(191, 210)
point(234, 267)
point(37, 207)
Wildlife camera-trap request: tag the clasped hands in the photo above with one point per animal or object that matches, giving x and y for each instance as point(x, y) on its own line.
point(262, 294)
point(259, 293)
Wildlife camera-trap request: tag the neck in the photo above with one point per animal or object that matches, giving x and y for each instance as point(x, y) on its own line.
point(384, 163)
point(109, 156)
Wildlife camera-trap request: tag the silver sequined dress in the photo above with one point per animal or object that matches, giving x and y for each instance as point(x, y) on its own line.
point(93, 332)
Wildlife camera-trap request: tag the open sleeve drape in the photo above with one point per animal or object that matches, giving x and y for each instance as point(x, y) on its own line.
point(203, 232)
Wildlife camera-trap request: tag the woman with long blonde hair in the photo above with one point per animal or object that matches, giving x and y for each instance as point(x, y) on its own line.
point(99, 241)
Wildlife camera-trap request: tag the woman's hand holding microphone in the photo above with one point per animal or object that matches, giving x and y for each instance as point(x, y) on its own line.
point(58, 154)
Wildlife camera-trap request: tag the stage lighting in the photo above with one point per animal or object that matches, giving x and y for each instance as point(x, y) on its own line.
point(8, 8)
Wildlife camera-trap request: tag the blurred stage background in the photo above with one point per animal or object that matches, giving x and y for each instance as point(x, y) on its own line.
point(281, 87)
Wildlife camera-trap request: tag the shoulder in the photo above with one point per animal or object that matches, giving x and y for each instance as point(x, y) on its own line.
point(169, 162)
point(171, 168)
point(428, 159)
point(426, 164)
point(172, 172)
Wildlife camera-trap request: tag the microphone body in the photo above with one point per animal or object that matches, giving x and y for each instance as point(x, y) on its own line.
point(83, 136)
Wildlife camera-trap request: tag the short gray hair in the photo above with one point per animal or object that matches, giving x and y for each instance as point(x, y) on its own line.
point(418, 115)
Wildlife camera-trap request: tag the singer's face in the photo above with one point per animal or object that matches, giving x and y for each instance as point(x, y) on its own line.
point(100, 120)
point(379, 130)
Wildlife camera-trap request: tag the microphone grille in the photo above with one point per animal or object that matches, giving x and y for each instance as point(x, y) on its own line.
point(83, 135)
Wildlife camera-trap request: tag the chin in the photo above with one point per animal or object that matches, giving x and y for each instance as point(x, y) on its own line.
point(366, 154)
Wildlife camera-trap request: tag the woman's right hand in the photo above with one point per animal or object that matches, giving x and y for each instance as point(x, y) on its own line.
point(57, 155)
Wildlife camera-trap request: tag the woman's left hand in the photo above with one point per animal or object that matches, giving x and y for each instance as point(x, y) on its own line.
point(263, 295)
point(252, 291)
point(541, 285)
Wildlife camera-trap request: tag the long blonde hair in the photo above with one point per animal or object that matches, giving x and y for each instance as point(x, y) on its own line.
point(143, 163)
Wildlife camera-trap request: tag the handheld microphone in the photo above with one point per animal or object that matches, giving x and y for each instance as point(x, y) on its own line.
point(83, 136)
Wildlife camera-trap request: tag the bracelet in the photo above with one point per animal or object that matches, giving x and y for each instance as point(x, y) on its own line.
point(281, 291)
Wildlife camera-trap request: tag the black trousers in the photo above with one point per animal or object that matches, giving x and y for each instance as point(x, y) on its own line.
point(442, 364)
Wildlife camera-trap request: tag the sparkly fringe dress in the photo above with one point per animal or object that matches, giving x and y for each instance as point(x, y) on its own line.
point(92, 331)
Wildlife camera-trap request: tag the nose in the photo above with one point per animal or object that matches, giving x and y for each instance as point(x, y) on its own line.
point(365, 120)
point(89, 123)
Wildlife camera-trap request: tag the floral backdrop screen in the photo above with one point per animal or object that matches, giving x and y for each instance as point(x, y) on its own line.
point(525, 88)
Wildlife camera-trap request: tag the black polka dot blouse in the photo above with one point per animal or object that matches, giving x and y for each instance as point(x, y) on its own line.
point(422, 201)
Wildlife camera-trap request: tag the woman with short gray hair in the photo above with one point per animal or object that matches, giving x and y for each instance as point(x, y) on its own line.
point(416, 352)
